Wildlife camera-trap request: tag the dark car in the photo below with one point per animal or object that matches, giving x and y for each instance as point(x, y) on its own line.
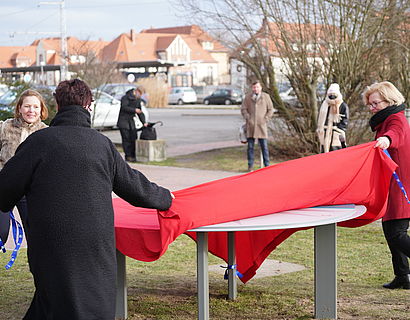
point(224, 96)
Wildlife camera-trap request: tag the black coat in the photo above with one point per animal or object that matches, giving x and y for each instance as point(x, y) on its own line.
point(129, 102)
point(68, 172)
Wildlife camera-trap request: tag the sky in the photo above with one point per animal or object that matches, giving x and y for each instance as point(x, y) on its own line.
point(23, 21)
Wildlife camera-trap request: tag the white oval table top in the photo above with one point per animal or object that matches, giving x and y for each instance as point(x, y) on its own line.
point(309, 217)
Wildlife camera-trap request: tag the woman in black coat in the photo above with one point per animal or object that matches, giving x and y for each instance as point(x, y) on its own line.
point(68, 173)
point(130, 106)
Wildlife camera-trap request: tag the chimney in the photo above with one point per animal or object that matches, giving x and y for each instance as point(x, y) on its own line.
point(132, 34)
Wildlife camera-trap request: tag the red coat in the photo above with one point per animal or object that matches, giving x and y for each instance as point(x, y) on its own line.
point(396, 127)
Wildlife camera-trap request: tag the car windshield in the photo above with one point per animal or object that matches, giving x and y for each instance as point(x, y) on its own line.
point(8, 97)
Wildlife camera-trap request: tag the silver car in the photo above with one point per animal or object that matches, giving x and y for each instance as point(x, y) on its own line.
point(182, 95)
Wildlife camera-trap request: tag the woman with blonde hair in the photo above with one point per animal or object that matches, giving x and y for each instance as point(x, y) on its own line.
point(29, 111)
point(393, 133)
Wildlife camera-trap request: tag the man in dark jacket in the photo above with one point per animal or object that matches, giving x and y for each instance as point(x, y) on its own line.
point(130, 106)
point(68, 173)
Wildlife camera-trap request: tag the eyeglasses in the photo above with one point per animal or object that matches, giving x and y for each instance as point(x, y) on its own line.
point(375, 104)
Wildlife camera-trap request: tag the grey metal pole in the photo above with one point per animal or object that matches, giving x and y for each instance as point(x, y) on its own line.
point(64, 53)
point(121, 307)
point(232, 285)
point(202, 275)
point(325, 272)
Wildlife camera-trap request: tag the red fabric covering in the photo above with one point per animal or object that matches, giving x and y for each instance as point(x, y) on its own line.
point(359, 175)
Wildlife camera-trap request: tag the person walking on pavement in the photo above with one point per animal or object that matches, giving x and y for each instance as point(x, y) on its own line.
point(130, 106)
point(257, 110)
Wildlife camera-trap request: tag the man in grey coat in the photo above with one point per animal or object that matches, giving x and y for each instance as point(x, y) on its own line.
point(257, 109)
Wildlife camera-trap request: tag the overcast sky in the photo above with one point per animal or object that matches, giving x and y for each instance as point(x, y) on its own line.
point(22, 21)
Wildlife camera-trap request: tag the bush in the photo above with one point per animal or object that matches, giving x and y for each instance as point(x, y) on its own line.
point(157, 91)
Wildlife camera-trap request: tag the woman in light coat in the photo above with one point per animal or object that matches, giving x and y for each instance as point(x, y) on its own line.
point(28, 113)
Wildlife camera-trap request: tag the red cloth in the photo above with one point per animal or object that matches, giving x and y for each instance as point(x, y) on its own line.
point(359, 175)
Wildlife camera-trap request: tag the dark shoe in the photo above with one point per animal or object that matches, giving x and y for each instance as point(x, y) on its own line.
point(398, 283)
point(130, 159)
point(250, 168)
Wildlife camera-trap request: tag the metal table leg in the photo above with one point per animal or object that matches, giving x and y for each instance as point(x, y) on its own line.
point(325, 272)
point(202, 275)
point(232, 286)
point(121, 300)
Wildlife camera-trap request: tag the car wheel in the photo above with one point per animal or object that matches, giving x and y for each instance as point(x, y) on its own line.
point(180, 102)
point(227, 102)
point(206, 101)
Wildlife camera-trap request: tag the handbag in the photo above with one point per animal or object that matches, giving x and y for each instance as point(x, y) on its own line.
point(138, 123)
point(149, 132)
point(242, 134)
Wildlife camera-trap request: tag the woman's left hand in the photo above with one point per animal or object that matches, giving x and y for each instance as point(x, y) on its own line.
point(382, 143)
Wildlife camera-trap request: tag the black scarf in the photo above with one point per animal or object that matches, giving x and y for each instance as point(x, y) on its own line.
point(382, 115)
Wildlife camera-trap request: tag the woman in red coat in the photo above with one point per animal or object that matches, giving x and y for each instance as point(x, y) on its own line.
point(393, 133)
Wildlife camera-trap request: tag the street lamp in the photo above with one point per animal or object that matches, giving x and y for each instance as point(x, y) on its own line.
point(63, 31)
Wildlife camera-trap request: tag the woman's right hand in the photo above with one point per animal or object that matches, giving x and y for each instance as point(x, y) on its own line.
point(382, 143)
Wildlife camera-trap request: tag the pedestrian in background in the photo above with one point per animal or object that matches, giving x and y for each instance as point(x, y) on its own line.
point(257, 110)
point(68, 173)
point(29, 111)
point(393, 133)
point(333, 120)
point(130, 107)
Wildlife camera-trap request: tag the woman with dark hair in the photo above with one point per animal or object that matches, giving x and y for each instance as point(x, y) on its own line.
point(29, 111)
point(393, 133)
point(68, 173)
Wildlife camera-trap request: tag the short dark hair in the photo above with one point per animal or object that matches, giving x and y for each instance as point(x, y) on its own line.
point(73, 92)
point(256, 82)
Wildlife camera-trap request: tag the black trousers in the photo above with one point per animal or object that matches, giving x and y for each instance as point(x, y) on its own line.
point(5, 219)
point(128, 138)
point(395, 232)
point(4, 226)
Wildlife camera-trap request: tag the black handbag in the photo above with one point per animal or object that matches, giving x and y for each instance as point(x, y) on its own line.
point(149, 132)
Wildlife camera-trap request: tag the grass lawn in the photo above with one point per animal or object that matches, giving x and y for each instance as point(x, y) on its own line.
point(166, 289)
point(226, 159)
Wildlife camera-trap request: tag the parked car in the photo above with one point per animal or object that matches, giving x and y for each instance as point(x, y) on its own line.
point(203, 91)
point(117, 90)
point(224, 96)
point(289, 97)
point(3, 89)
point(7, 99)
point(181, 95)
point(105, 110)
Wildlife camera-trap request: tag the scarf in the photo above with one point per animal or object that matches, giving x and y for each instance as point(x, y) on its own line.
point(382, 115)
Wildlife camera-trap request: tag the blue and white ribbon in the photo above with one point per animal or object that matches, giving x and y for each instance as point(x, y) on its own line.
point(2, 247)
point(396, 177)
point(231, 267)
point(17, 237)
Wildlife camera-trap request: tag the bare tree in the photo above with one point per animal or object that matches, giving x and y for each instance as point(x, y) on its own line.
point(87, 65)
point(320, 40)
